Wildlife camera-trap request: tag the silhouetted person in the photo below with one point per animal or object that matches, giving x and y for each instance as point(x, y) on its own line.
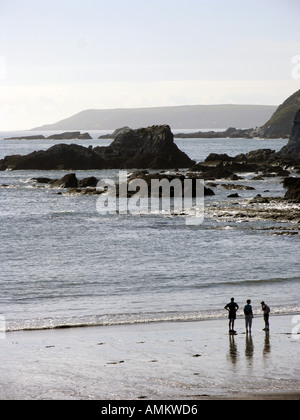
point(266, 310)
point(232, 308)
point(248, 316)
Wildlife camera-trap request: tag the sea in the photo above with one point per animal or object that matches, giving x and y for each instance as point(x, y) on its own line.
point(65, 265)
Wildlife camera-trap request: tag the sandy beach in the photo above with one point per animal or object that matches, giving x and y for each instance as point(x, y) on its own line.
point(182, 361)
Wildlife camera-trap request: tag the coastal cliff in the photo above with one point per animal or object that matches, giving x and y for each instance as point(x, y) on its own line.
point(278, 126)
point(292, 150)
point(281, 121)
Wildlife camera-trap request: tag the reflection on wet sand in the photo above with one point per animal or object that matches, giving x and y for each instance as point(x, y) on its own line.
point(267, 346)
point(233, 351)
point(249, 349)
point(233, 355)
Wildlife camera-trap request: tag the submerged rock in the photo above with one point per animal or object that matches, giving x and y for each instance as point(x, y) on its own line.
point(68, 181)
point(187, 190)
point(42, 180)
point(88, 182)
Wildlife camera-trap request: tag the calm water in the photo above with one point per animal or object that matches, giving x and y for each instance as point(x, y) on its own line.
point(63, 264)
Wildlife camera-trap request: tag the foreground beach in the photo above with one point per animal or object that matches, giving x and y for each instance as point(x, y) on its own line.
point(194, 360)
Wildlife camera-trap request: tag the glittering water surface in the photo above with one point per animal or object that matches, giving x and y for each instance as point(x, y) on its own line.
point(64, 264)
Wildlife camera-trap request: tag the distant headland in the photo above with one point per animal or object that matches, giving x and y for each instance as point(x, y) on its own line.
point(178, 117)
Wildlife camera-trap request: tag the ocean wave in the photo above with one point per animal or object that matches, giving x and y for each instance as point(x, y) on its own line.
point(248, 282)
point(133, 319)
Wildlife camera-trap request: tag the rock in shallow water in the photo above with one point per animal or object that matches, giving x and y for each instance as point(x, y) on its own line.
point(151, 147)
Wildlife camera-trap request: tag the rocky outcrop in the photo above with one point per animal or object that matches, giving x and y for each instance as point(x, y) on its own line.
point(170, 177)
point(213, 172)
point(291, 152)
point(116, 133)
point(226, 167)
point(89, 185)
point(42, 180)
point(288, 155)
point(151, 147)
point(68, 181)
point(233, 133)
point(293, 186)
point(260, 156)
point(279, 125)
point(58, 157)
point(74, 135)
point(38, 137)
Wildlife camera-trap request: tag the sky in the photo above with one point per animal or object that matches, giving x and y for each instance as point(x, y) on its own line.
point(59, 57)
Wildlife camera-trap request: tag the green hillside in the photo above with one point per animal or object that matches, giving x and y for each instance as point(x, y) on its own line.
point(280, 124)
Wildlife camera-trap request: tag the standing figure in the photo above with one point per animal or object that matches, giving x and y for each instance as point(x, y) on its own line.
point(232, 308)
point(248, 316)
point(266, 310)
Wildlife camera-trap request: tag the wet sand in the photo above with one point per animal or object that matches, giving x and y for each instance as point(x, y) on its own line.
point(178, 361)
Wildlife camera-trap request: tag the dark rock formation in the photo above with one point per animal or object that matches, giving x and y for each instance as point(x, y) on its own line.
point(88, 186)
point(292, 150)
point(42, 180)
point(259, 200)
point(75, 135)
point(237, 187)
point(149, 177)
point(216, 158)
point(68, 181)
point(211, 173)
point(293, 192)
point(233, 133)
point(113, 135)
point(223, 166)
point(256, 156)
point(151, 147)
point(88, 182)
point(38, 137)
point(58, 157)
point(279, 126)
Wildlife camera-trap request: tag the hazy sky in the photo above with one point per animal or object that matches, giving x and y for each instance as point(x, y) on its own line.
point(58, 57)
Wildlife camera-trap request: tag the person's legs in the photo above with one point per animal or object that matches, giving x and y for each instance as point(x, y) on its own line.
point(247, 323)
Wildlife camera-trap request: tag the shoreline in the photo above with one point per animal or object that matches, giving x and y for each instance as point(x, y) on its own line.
point(169, 360)
point(240, 317)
